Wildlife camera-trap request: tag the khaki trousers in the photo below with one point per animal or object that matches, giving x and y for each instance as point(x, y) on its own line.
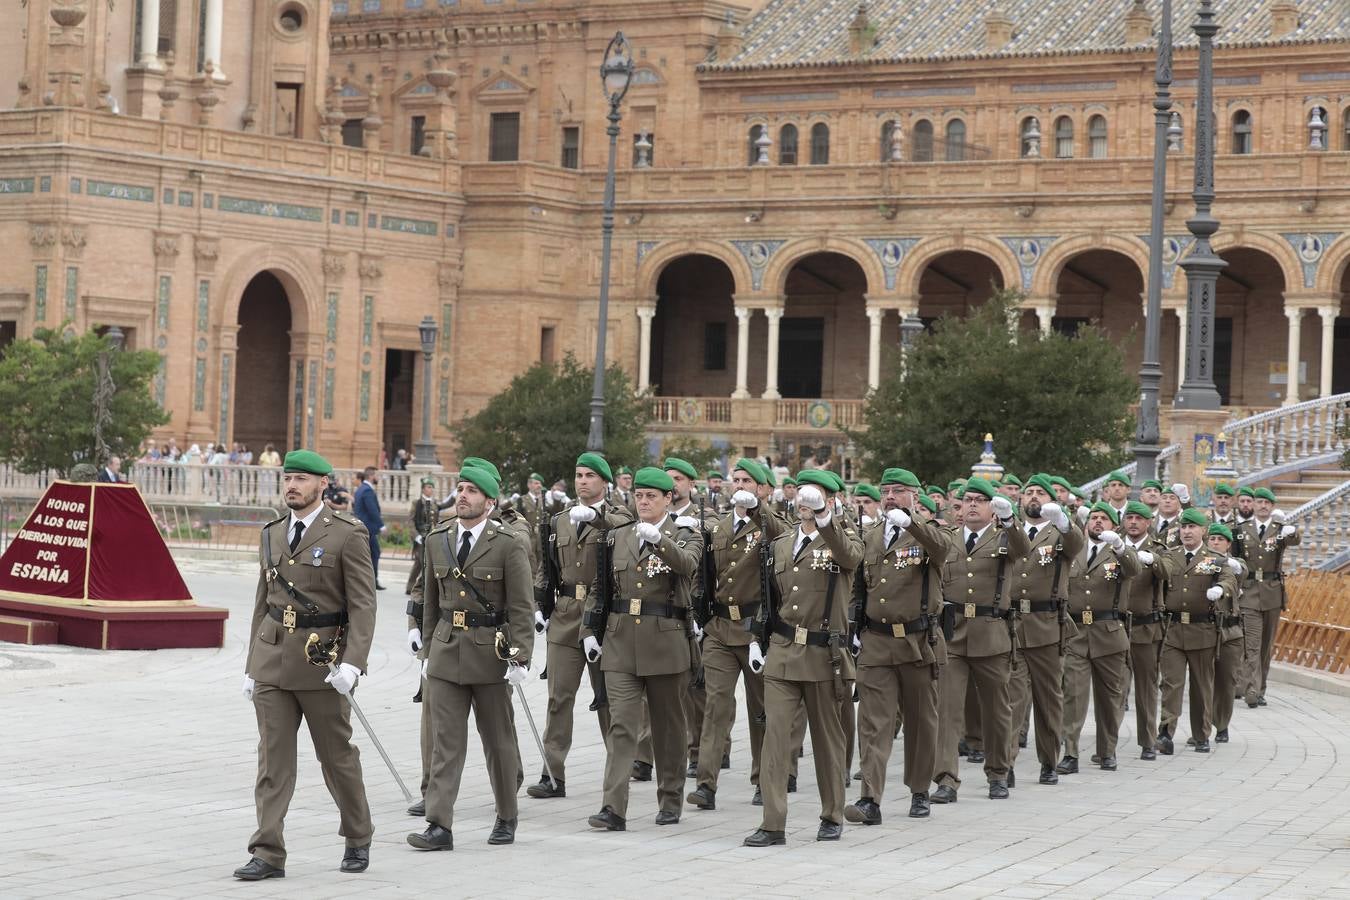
point(1144, 658)
point(1258, 636)
point(1175, 665)
point(722, 664)
point(450, 704)
point(565, 667)
point(1036, 686)
point(328, 715)
point(781, 702)
point(990, 674)
point(664, 699)
point(1105, 676)
point(914, 690)
point(1227, 671)
point(974, 734)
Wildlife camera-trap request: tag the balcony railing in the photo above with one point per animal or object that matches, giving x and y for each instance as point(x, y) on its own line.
point(1308, 431)
point(754, 413)
point(1325, 522)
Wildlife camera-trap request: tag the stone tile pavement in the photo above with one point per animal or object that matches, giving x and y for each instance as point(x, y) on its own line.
point(130, 774)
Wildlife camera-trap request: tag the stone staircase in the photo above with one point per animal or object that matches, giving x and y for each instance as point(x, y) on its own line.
point(1306, 485)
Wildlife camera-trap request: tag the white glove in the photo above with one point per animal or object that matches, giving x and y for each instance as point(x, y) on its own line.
point(778, 495)
point(1183, 493)
point(1286, 531)
point(1002, 507)
point(1055, 513)
point(698, 630)
point(540, 623)
point(516, 673)
point(1145, 558)
point(558, 496)
point(866, 520)
point(1236, 566)
point(248, 687)
point(581, 513)
point(592, 648)
point(425, 663)
point(756, 658)
point(649, 532)
point(745, 500)
point(811, 497)
point(1112, 539)
point(343, 678)
point(1082, 515)
point(417, 539)
point(857, 646)
point(899, 518)
point(686, 522)
point(1277, 516)
point(1214, 594)
point(414, 639)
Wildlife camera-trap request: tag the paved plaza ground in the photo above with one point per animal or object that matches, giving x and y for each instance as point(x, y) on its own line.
point(131, 774)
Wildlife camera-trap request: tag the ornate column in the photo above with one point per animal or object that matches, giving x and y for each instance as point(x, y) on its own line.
point(645, 316)
point(775, 316)
point(743, 315)
point(1181, 348)
point(1328, 314)
point(1295, 316)
point(875, 315)
point(1045, 318)
point(150, 34)
point(215, 19)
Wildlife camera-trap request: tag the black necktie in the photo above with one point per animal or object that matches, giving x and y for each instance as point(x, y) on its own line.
point(295, 538)
point(806, 539)
point(1031, 534)
point(1261, 533)
point(970, 544)
point(463, 555)
point(740, 523)
point(1189, 554)
point(893, 537)
point(1092, 554)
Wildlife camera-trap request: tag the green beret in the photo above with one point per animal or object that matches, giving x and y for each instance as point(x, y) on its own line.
point(1061, 481)
point(654, 478)
point(306, 461)
point(953, 486)
point(980, 486)
point(596, 463)
point(477, 462)
point(934, 491)
point(1264, 494)
point(928, 504)
point(867, 490)
point(1225, 489)
point(1246, 492)
point(535, 476)
point(624, 470)
point(768, 474)
point(838, 482)
point(714, 474)
point(428, 481)
point(789, 480)
point(482, 479)
point(1193, 516)
point(1108, 510)
point(1120, 476)
point(1010, 478)
point(902, 477)
point(1078, 492)
point(818, 477)
point(1042, 481)
point(1169, 490)
point(1151, 483)
point(1135, 508)
point(1221, 529)
point(753, 469)
point(681, 466)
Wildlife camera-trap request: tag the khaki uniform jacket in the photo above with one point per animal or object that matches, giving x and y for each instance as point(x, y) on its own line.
point(625, 499)
point(1263, 558)
point(1034, 577)
point(736, 561)
point(1232, 628)
point(1099, 587)
point(425, 513)
point(1144, 592)
point(646, 645)
point(1172, 537)
point(577, 560)
point(498, 570)
point(1186, 593)
point(802, 583)
point(514, 522)
point(973, 580)
point(893, 579)
point(331, 567)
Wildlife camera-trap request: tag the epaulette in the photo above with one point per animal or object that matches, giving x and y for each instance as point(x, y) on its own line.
point(444, 526)
point(277, 521)
point(345, 517)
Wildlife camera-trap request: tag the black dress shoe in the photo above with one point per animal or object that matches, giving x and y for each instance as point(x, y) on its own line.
point(726, 760)
point(642, 771)
point(1148, 753)
point(943, 794)
point(1022, 742)
point(976, 756)
point(1012, 778)
point(962, 748)
point(609, 820)
point(1253, 702)
point(758, 799)
point(418, 809)
point(829, 831)
point(1049, 775)
point(1164, 744)
point(1190, 741)
point(762, 838)
point(546, 789)
point(692, 770)
point(1108, 763)
point(1261, 702)
point(918, 805)
point(864, 812)
point(503, 831)
point(1202, 746)
point(356, 859)
point(1096, 760)
point(1222, 736)
point(702, 797)
point(434, 838)
point(792, 784)
point(998, 790)
point(1067, 766)
point(256, 870)
point(666, 817)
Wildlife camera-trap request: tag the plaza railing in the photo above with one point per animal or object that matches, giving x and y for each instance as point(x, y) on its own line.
point(1325, 525)
point(1311, 432)
point(1164, 470)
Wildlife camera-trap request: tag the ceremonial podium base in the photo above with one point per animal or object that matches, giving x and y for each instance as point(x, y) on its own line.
point(102, 628)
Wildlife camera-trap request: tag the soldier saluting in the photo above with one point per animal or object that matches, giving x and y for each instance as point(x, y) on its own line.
point(316, 579)
point(1261, 541)
point(1144, 601)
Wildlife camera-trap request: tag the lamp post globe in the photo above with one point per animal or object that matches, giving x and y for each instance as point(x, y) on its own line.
point(425, 449)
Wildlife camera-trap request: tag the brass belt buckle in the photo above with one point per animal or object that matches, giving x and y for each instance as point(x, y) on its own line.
point(970, 610)
point(1087, 617)
point(898, 630)
point(580, 591)
point(734, 613)
point(1185, 618)
point(457, 620)
point(288, 619)
point(635, 607)
point(799, 635)
point(1026, 606)
point(1260, 574)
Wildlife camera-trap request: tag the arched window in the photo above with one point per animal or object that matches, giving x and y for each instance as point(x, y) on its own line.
point(1242, 132)
point(1097, 137)
point(1064, 138)
point(787, 145)
point(1031, 138)
point(820, 144)
point(923, 141)
point(755, 132)
point(956, 140)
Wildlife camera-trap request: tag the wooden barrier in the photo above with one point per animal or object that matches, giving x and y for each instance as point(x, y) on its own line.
point(1315, 627)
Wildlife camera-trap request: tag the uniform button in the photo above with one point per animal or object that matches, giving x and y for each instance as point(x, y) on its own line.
point(733, 565)
point(291, 561)
point(639, 584)
point(968, 559)
point(794, 606)
point(1088, 591)
point(970, 590)
point(461, 593)
point(578, 565)
point(794, 568)
point(970, 574)
point(794, 587)
point(883, 581)
point(637, 621)
point(882, 600)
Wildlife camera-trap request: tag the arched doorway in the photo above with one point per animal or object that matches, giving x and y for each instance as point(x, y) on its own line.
point(694, 330)
point(956, 282)
point(263, 379)
point(823, 337)
point(1250, 332)
point(1340, 346)
point(1105, 288)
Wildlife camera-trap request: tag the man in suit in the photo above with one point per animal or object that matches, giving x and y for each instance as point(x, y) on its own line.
point(1144, 601)
point(366, 507)
point(1260, 542)
point(112, 472)
point(477, 637)
point(648, 647)
point(315, 579)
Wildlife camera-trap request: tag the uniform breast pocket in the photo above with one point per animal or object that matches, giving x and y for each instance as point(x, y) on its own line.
point(490, 574)
point(442, 632)
point(562, 538)
point(664, 624)
point(270, 632)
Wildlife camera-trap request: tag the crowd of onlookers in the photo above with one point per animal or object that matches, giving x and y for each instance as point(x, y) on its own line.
point(215, 454)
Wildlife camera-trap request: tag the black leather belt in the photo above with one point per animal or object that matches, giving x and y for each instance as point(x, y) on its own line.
point(1231, 621)
point(802, 636)
point(1037, 606)
point(570, 591)
point(637, 607)
point(1265, 576)
point(899, 629)
point(1152, 618)
point(1189, 618)
point(733, 612)
point(1088, 616)
point(294, 619)
point(459, 618)
point(971, 611)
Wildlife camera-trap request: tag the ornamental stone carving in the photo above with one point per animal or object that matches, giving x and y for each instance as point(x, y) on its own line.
point(334, 265)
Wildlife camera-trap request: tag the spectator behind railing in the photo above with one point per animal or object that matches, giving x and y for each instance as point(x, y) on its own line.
point(269, 456)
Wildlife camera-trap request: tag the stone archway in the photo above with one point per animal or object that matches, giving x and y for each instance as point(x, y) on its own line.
point(956, 282)
point(262, 363)
point(694, 329)
point(1251, 330)
point(824, 330)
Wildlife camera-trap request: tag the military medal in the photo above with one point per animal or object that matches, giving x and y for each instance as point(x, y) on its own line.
point(1045, 555)
point(318, 556)
point(1112, 570)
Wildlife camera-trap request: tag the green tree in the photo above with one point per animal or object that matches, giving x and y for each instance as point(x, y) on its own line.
point(541, 421)
point(700, 454)
point(1054, 403)
point(47, 387)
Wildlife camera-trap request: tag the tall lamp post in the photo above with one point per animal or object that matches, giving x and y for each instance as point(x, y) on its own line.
point(103, 395)
point(615, 74)
point(425, 448)
point(1147, 435)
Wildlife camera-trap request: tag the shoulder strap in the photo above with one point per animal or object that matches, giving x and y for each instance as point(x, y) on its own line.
point(310, 606)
